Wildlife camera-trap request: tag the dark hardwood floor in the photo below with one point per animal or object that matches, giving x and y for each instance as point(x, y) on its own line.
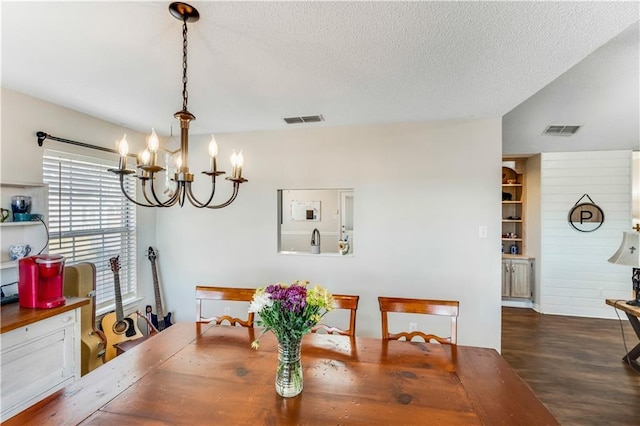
point(574, 365)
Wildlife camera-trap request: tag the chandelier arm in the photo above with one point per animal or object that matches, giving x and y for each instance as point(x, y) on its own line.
point(144, 192)
point(129, 197)
point(171, 201)
point(236, 187)
point(167, 203)
point(174, 197)
point(197, 203)
point(185, 190)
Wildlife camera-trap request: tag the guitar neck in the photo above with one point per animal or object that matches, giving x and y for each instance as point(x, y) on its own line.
point(156, 289)
point(116, 283)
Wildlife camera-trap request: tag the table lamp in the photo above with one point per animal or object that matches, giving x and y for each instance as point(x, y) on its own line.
point(629, 254)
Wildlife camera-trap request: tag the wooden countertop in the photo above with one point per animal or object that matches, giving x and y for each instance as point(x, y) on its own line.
point(207, 374)
point(13, 316)
point(517, 256)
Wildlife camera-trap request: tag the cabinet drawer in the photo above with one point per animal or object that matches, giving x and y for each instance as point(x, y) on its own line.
point(36, 368)
point(37, 360)
point(36, 330)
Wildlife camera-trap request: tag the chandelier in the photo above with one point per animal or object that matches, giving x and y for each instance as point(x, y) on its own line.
point(182, 177)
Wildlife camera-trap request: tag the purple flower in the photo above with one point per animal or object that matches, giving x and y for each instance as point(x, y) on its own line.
point(292, 298)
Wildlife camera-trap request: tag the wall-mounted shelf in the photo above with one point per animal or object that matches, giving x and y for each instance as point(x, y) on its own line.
point(25, 223)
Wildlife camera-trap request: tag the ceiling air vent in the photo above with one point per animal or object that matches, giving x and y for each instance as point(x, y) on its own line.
point(304, 119)
point(556, 130)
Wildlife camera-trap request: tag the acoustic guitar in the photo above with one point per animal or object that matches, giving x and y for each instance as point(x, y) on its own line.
point(80, 281)
point(115, 325)
point(158, 320)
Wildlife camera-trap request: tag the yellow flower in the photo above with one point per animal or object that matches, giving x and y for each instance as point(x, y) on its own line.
point(319, 296)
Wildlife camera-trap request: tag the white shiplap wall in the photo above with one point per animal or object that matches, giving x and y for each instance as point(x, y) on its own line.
point(575, 275)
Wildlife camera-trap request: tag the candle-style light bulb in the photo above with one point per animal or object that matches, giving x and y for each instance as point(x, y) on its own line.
point(146, 155)
point(240, 160)
point(123, 149)
point(234, 163)
point(178, 162)
point(213, 152)
point(123, 146)
point(213, 147)
point(154, 143)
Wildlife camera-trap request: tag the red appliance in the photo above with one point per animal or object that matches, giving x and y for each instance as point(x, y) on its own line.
point(40, 281)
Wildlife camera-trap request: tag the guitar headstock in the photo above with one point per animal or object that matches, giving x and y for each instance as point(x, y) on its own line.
point(115, 263)
point(151, 254)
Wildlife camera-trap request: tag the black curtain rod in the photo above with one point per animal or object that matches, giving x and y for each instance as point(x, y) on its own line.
point(42, 136)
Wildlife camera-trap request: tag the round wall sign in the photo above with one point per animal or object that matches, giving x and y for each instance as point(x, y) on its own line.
point(586, 217)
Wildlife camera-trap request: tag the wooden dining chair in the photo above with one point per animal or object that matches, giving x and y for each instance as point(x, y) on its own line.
point(233, 294)
point(342, 301)
point(419, 306)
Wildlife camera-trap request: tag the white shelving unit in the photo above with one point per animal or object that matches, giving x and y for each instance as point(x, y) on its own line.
point(32, 233)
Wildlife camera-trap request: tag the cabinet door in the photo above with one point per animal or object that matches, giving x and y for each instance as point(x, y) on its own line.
point(520, 278)
point(506, 278)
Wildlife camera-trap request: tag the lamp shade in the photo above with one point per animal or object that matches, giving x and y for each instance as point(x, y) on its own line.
point(629, 251)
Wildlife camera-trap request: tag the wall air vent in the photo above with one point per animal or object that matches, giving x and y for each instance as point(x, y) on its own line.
point(304, 119)
point(561, 130)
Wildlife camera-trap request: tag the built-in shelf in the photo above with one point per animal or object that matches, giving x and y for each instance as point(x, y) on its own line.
point(22, 184)
point(33, 233)
point(512, 220)
point(512, 202)
point(512, 239)
point(25, 223)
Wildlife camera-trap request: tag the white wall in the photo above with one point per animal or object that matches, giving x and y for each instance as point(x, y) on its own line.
point(422, 190)
point(601, 93)
point(533, 225)
point(575, 274)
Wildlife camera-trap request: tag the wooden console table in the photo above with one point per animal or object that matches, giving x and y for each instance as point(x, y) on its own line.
point(633, 313)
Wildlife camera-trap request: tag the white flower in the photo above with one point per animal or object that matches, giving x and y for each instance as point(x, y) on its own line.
point(259, 302)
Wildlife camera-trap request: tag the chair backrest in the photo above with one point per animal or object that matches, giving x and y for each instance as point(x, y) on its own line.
point(342, 301)
point(224, 293)
point(419, 306)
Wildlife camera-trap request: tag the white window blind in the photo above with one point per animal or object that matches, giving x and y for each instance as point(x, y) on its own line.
point(91, 221)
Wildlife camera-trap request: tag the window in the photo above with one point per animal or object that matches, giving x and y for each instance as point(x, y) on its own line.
point(91, 221)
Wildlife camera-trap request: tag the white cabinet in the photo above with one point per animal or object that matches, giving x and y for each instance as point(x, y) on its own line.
point(517, 278)
point(39, 358)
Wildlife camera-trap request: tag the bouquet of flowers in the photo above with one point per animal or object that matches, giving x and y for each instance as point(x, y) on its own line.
point(290, 311)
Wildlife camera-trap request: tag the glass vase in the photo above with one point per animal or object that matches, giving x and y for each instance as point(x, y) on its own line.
point(289, 371)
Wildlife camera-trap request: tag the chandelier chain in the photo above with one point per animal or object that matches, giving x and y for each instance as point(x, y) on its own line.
point(185, 94)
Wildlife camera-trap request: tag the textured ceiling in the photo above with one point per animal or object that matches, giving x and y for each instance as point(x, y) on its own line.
point(253, 63)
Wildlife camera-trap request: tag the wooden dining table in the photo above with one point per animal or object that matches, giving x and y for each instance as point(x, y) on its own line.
point(201, 374)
